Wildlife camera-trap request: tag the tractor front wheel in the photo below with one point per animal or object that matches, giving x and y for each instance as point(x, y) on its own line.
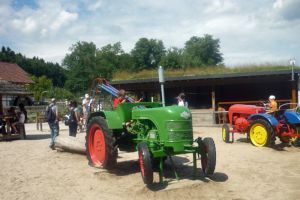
point(225, 133)
point(145, 163)
point(260, 133)
point(208, 156)
point(100, 144)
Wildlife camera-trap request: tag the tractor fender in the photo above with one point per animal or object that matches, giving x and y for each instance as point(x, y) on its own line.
point(112, 119)
point(269, 118)
point(292, 117)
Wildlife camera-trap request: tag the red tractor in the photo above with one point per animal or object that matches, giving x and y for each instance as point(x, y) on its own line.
point(261, 127)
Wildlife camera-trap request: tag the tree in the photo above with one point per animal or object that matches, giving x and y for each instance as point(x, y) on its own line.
point(81, 65)
point(172, 59)
point(147, 53)
point(111, 58)
point(202, 51)
point(35, 66)
point(41, 86)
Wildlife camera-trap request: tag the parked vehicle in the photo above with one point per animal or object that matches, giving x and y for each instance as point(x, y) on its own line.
point(261, 127)
point(155, 132)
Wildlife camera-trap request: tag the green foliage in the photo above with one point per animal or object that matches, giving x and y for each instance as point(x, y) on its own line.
point(172, 59)
point(85, 62)
point(202, 51)
point(41, 86)
point(192, 71)
point(111, 58)
point(147, 53)
point(81, 66)
point(35, 66)
point(60, 93)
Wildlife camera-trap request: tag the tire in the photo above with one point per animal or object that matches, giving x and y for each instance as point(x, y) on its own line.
point(260, 133)
point(145, 163)
point(225, 133)
point(208, 156)
point(100, 144)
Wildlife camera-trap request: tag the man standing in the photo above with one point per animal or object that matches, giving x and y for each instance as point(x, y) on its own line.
point(52, 119)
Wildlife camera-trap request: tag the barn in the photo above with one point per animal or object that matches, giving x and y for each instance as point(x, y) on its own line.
point(209, 92)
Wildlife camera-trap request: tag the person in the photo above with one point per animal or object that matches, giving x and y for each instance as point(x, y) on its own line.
point(2, 126)
point(74, 119)
point(20, 121)
point(272, 104)
point(79, 113)
point(21, 118)
point(181, 100)
point(85, 108)
point(120, 98)
point(54, 126)
point(22, 109)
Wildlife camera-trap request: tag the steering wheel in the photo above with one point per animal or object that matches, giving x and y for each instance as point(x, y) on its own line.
point(265, 105)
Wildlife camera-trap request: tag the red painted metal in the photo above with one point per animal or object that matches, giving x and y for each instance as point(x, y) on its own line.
point(241, 124)
point(142, 167)
point(243, 110)
point(286, 130)
point(97, 148)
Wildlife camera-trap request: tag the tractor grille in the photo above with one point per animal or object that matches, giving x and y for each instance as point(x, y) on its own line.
point(180, 130)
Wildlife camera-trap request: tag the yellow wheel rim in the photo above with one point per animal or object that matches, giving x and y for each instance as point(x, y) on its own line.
point(223, 134)
point(258, 135)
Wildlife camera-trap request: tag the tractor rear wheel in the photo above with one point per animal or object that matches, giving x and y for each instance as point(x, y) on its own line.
point(225, 133)
point(208, 156)
point(145, 163)
point(100, 144)
point(260, 133)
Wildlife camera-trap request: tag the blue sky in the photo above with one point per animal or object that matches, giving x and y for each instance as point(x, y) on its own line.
point(251, 32)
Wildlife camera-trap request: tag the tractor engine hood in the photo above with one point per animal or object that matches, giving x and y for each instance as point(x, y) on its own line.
point(162, 113)
point(173, 123)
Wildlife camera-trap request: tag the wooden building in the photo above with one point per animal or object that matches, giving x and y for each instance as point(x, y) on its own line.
point(12, 86)
point(211, 91)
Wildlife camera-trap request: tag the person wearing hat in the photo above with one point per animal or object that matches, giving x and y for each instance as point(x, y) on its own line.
point(272, 104)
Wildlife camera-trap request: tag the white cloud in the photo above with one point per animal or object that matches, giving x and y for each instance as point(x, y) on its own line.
point(62, 19)
point(248, 30)
point(27, 25)
point(94, 5)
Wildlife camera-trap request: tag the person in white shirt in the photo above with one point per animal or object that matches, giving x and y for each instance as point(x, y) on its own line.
point(181, 100)
point(21, 120)
point(85, 108)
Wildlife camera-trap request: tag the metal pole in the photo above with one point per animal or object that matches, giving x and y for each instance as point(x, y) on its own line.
point(161, 80)
point(293, 72)
point(162, 94)
point(292, 63)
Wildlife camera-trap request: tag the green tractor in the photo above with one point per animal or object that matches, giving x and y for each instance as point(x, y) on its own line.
point(156, 132)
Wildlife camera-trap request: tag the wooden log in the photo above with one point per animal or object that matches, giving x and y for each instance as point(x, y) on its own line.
point(70, 144)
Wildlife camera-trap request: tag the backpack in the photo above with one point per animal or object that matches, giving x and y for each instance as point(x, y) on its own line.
point(50, 115)
point(69, 117)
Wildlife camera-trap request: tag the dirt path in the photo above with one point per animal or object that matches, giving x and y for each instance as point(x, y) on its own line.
point(30, 170)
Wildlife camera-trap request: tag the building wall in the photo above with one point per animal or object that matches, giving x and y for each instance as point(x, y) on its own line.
point(203, 93)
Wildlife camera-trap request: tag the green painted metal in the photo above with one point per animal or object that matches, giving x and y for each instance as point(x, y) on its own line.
point(166, 130)
point(163, 128)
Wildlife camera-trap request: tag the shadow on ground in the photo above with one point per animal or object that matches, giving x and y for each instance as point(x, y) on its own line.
point(183, 170)
point(38, 137)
